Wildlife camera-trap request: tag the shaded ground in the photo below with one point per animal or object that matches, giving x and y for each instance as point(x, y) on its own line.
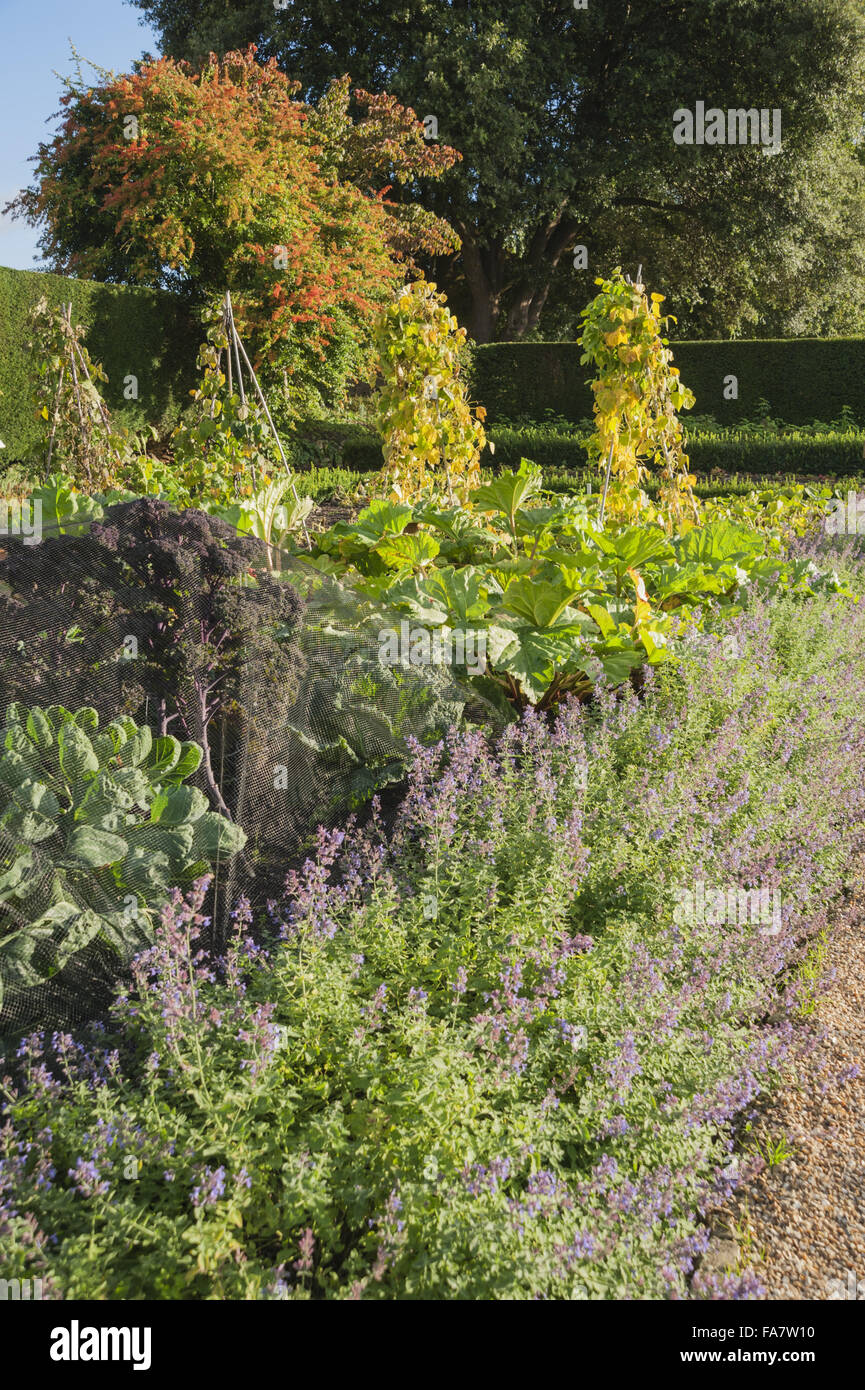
point(800, 1225)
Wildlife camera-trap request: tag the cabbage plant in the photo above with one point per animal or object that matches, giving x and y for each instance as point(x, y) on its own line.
point(96, 827)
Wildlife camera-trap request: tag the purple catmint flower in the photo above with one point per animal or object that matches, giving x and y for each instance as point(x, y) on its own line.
point(211, 1187)
point(88, 1180)
point(303, 1265)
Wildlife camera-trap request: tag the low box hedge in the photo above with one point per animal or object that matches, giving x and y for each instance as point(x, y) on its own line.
point(357, 447)
point(834, 454)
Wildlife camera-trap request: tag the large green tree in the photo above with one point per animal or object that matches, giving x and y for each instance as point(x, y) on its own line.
point(564, 117)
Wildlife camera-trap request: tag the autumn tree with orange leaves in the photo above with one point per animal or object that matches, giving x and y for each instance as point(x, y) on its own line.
point(218, 178)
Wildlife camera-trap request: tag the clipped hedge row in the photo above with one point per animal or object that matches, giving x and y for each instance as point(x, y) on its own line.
point(143, 333)
point(838, 454)
point(336, 444)
point(358, 448)
point(803, 379)
point(155, 337)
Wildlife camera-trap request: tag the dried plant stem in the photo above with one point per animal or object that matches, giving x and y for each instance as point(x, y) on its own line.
point(106, 420)
point(85, 427)
point(54, 416)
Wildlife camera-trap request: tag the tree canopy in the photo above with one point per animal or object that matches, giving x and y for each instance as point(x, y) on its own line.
point(564, 119)
point(215, 177)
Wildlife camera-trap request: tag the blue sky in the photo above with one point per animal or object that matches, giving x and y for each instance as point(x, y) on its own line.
point(35, 45)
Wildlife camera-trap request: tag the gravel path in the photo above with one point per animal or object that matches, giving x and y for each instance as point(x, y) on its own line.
point(801, 1224)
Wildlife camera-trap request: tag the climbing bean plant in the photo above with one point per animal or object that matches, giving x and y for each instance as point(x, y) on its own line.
point(638, 395)
point(432, 437)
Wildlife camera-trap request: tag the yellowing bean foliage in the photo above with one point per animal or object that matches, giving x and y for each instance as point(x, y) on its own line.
point(637, 396)
point(432, 438)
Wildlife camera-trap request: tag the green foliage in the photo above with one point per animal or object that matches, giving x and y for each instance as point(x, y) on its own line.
point(218, 178)
point(350, 722)
point(804, 379)
point(144, 333)
point(272, 514)
point(95, 828)
point(432, 440)
point(227, 450)
point(730, 451)
point(556, 604)
point(638, 395)
point(153, 335)
point(336, 444)
point(564, 121)
point(191, 600)
point(81, 439)
point(819, 448)
point(353, 712)
point(811, 972)
point(482, 1060)
point(506, 495)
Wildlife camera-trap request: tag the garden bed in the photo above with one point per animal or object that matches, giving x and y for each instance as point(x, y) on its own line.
point(497, 1052)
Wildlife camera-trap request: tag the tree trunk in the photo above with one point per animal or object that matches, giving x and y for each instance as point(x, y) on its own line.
point(530, 295)
point(518, 314)
point(484, 312)
point(483, 271)
point(537, 307)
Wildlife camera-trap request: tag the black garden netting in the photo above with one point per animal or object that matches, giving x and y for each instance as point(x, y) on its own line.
point(164, 633)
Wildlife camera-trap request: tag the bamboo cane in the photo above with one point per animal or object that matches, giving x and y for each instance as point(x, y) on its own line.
point(54, 416)
point(85, 429)
point(225, 324)
point(235, 339)
point(606, 483)
point(231, 329)
point(260, 395)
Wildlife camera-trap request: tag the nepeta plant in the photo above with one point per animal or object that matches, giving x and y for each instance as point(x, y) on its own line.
point(478, 1057)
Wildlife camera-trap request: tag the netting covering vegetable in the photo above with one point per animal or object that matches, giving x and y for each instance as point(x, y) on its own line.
point(175, 698)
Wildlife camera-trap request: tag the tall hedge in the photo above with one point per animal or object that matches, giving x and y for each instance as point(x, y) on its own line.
point(154, 337)
point(803, 379)
point(132, 332)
